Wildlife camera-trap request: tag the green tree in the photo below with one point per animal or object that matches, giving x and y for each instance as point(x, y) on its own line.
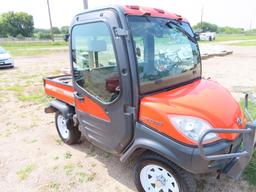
point(19, 23)
point(64, 29)
point(56, 30)
point(204, 27)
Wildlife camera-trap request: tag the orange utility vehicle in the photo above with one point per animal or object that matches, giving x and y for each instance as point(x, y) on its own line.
point(136, 88)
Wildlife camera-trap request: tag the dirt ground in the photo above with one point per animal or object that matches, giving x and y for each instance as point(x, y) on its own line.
point(33, 158)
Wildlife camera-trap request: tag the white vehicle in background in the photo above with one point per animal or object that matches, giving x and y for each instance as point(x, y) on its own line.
point(207, 36)
point(6, 60)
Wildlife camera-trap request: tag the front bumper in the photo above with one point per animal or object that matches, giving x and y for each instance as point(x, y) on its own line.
point(6, 65)
point(231, 160)
point(234, 161)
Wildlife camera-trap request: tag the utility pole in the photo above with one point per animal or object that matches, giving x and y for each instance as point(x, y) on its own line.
point(50, 19)
point(202, 13)
point(85, 4)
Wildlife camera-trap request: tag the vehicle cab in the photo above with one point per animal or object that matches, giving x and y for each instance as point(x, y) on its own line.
point(137, 87)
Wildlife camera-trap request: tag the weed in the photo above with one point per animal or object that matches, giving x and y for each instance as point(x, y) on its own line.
point(85, 177)
point(59, 141)
point(79, 165)
point(54, 186)
point(69, 168)
point(7, 133)
point(55, 168)
point(67, 155)
point(33, 141)
point(29, 141)
point(25, 171)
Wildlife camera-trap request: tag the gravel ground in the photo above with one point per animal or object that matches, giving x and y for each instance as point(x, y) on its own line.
point(32, 156)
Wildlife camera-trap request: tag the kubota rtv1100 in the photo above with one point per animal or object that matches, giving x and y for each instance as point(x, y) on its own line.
point(136, 87)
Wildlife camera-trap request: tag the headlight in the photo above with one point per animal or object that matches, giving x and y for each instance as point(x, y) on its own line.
point(10, 60)
point(192, 127)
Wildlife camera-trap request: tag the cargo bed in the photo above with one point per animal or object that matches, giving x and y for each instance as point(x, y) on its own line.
point(60, 87)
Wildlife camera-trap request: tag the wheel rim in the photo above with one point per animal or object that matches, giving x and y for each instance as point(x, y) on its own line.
point(155, 178)
point(62, 126)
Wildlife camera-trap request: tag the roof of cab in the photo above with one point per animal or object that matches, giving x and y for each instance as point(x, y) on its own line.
point(141, 10)
point(136, 10)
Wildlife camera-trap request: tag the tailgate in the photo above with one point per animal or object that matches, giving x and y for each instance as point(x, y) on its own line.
point(60, 87)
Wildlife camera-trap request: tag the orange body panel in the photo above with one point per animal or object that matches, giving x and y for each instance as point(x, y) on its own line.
point(203, 99)
point(59, 91)
point(65, 92)
point(92, 108)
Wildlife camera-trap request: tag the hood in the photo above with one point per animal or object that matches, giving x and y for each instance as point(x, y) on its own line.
point(203, 99)
point(5, 56)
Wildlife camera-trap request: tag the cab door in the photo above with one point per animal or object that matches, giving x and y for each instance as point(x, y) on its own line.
point(102, 83)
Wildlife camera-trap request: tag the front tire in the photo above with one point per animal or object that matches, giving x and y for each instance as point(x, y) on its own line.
point(66, 129)
point(154, 173)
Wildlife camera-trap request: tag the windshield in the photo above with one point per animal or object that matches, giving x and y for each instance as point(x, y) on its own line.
point(166, 50)
point(2, 51)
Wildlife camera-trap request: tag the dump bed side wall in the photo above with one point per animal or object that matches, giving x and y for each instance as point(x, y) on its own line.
point(60, 91)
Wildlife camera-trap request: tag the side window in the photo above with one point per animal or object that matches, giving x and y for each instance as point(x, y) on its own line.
point(94, 61)
point(139, 51)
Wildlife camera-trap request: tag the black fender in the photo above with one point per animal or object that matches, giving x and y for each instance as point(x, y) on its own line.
point(56, 105)
point(185, 156)
point(149, 139)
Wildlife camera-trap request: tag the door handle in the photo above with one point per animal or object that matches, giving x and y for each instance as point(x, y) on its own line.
point(80, 98)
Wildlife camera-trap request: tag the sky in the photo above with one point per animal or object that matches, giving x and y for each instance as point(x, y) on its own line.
point(234, 13)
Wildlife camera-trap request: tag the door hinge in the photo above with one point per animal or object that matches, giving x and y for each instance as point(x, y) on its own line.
point(129, 110)
point(121, 32)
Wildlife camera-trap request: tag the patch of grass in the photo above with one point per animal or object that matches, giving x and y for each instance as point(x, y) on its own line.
point(231, 37)
point(16, 88)
point(36, 52)
point(235, 37)
point(26, 171)
point(69, 168)
point(33, 48)
point(29, 141)
point(251, 107)
point(67, 155)
point(53, 186)
point(59, 141)
point(245, 43)
point(34, 94)
point(250, 171)
point(55, 168)
point(7, 133)
point(85, 177)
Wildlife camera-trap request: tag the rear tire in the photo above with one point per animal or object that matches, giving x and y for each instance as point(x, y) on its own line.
point(154, 173)
point(66, 129)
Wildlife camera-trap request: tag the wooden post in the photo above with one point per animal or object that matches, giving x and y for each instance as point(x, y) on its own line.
point(50, 19)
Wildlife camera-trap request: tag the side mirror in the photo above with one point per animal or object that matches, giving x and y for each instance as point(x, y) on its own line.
point(66, 37)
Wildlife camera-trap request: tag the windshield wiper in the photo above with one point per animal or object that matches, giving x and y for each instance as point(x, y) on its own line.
point(181, 30)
